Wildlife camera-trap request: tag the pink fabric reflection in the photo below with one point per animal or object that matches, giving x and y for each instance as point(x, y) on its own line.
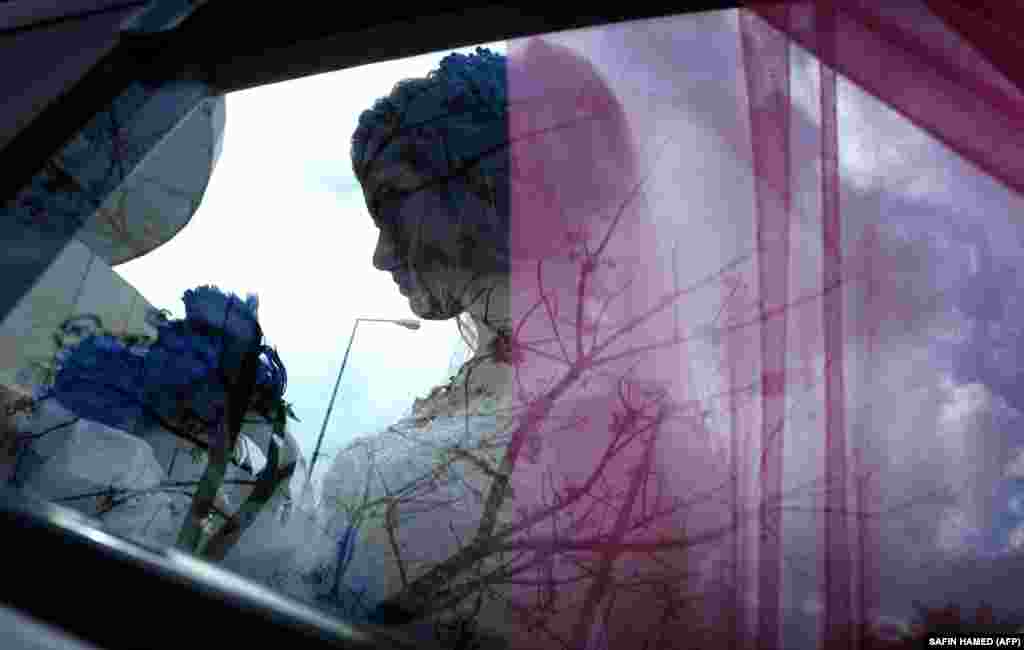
point(910, 56)
point(577, 201)
point(817, 269)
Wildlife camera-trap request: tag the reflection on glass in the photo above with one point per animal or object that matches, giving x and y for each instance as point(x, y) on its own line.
point(792, 432)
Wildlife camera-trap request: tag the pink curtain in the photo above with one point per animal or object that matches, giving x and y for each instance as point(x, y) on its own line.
point(950, 69)
point(829, 199)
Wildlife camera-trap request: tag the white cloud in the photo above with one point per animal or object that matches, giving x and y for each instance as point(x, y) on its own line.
point(1016, 540)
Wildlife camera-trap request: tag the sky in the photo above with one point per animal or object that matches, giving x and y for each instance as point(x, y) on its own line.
point(283, 217)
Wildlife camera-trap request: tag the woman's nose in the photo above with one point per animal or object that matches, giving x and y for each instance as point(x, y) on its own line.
point(384, 257)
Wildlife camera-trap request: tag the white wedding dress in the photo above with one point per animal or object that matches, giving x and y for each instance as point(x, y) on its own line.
point(434, 462)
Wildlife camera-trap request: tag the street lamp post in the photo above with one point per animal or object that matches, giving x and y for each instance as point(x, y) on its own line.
point(407, 323)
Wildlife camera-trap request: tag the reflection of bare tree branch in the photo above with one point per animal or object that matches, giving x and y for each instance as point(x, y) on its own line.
point(629, 429)
point(602, 541)
point(391, 526)
point(610, 544)
point(170, 485)
point(36, 436)
point(598, 588)
point(112, 498)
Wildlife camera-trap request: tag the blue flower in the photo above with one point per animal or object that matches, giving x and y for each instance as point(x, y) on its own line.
point(101, 379)
point(182, 372)
point(186, 374)
point(271, 376)
point(209, 307)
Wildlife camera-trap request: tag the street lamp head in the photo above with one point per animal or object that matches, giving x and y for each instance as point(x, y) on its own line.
point(409, 323)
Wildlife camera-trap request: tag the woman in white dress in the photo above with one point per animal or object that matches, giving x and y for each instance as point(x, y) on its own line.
point(529, 495)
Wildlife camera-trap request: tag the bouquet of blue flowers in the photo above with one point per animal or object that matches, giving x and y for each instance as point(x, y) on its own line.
point(181, 380)
point(197, 379)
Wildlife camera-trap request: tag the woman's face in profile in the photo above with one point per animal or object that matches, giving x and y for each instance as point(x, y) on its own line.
point(568, 159)
point(433, 252)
